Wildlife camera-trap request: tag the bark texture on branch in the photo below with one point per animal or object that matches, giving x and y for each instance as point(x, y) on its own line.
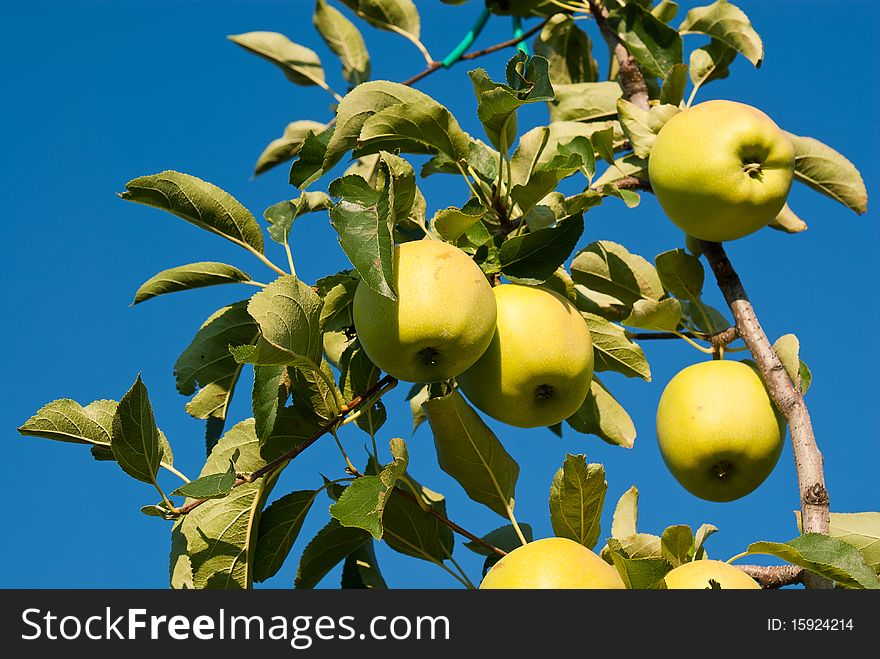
point(774, 576)
point(629, 75)
point(786, 396)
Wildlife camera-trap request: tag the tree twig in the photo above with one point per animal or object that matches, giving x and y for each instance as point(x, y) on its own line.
point(452, 525)
point(786, 396)
point(434, 66)
point(382, 385)
point(774, 576)
point(720, 339)
point(630, 75)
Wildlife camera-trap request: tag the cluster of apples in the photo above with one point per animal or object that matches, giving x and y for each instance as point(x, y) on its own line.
point(521, 354)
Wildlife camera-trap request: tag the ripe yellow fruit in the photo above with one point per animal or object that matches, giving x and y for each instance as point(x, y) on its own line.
point(440, 324)
point(721, 170)
point(719, 432)
point(696, 575)
point(538, 368)
point(552, 563)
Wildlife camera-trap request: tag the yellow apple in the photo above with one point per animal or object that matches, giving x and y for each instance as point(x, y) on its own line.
point(440, 324)
point(721, 170)
point(551, 563)
point(538, 368)
point(719, 432)
point(696, 575)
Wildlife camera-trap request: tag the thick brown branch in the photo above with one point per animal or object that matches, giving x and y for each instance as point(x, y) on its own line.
point(774, 576)
point(385, 383)
point(786, 396)
point(434, 66)
point(630, 75)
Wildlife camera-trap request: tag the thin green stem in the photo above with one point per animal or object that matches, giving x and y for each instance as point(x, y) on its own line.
point(464, 575)
point(171, 469)
point(262, 257)
point(289, 258)
point(519, 533)
point(414, 40)
point(258, 284)
point(463, 581)
point(703, 349)
point(739, 556)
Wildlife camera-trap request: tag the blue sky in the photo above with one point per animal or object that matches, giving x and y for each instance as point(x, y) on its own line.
point(101, 92)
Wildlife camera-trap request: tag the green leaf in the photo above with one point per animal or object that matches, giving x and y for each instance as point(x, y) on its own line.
point(299, 64)
point(199, 203)
point(362, 504)
point(416, 401)
point(728, 24)
point(415, 127)
point(626, 515)
point(827, 171)
point(585, 101)
point(628, 165)
point(270, 392)
point(309, 166)
point(532, 258)
point(211, 486)
point(561, 148)
point(642, 126)
point(363, 102)
point(638, 545)
point(345, 40)
point(677, 544)
point(665, 10)
point(700, 537)
point(288, 314)
point(861, 530)
point(364, 224)
point(412, 531)
point(683, 276)
point(135, 437)
point(613, 351)
point(280, 524)
point(603, 416)
point(787, 221)
point(470, 452)
point(219, 536)
point(826, 556)
point(638, 573)
point(188, 277)
point(401, 14)
point(674, 84)
point(655, 45)
point(603, 144)
point(528, 81)
point(609, 268)
point(664, 315)
point(160, 509)
point(281, 216)
point(356, 375)
point(450, 223)
point(361, 570)
point(65, 420)
point(314, 392)
point(710, 62)
point(787, 348)
point(287, 146)
point(329, 546)
point(577, 495)
point(568, 50)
